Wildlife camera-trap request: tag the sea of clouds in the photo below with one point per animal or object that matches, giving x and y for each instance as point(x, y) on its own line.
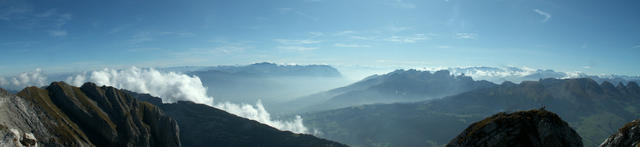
point(33, 78)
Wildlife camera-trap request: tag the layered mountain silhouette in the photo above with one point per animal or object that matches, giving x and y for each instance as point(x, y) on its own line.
point(594, 110)
point(534, 128)
point(64, 115)
point(397, 86)
point(202, 125)
point(269, 82)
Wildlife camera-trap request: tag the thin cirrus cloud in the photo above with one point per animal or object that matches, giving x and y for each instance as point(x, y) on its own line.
point(297, 42)
point(316, 34)
point(141, 37)
point(58, 33)
point(297, 45)
point(408, 39)
point(297, 48)
point(351, 45)
point(443, 46)
point(546, 15)
point(466, 35)
point(343, 33)
point(404, 4)
point(50, 21)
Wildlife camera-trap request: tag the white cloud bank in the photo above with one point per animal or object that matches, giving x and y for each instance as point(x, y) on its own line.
point(172, 87)
point(258, 113)
point(33, 78)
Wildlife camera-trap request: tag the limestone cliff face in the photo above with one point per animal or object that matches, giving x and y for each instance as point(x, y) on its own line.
point(89, 115)
point(20, 123)
point(534, 128)
point(628, 135)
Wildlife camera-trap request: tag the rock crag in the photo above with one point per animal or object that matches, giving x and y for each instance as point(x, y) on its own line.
point(64, 115)
point(628, 135)
point(535, 128)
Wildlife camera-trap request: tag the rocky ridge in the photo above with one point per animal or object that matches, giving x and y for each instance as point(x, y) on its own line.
point(64, 115)
point(628, 135)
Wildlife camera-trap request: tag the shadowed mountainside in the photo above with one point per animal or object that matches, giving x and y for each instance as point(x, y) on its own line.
point(203, 125)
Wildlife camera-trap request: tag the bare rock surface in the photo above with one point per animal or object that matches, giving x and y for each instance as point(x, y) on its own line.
point(64, 115)
point(628, 135)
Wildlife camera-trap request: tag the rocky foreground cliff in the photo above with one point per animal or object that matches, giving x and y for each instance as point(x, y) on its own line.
point(64, 115)
point(535, 128)
point(628, 135)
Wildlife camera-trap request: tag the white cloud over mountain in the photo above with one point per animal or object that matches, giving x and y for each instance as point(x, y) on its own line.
point(32, 78)
point(172, 87)
point(258, 113)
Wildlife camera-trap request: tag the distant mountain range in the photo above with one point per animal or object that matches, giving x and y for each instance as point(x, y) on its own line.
point(271, 69)
point(594, 110)
point(269, 82)
point(396, 86)
point(517, 75)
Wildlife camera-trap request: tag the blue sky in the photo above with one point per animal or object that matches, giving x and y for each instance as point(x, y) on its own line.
point(596, 37)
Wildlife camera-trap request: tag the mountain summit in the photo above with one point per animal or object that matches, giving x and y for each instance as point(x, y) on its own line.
point(536, 128)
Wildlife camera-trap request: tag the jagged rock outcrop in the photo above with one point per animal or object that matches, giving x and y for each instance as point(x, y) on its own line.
point(64, 115)
point(628, 135)
point(18, 122)
point(534, 128)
